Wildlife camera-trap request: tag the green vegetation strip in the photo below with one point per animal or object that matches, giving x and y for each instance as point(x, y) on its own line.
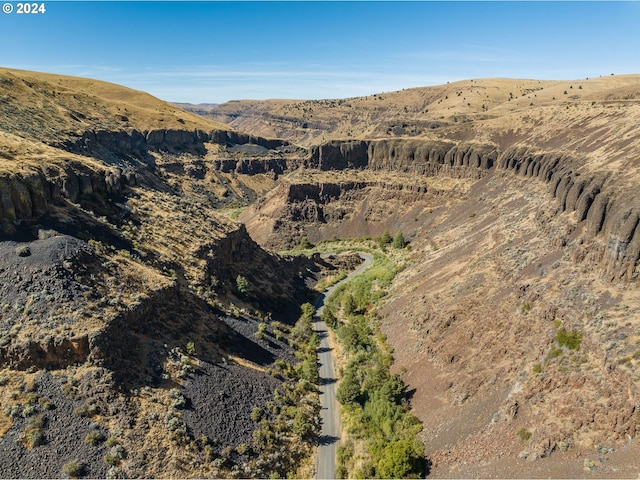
point(382, 433)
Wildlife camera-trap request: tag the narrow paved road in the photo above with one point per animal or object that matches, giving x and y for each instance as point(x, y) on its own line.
point(329, 413)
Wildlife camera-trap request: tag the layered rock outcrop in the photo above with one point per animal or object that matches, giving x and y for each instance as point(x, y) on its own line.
point(423, 157)
point(596, 199)
point(607, 212)
point(114, 146)
point(252, 166)
point(27, 195)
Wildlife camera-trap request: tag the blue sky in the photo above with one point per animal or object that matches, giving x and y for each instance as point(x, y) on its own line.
point(218, 51)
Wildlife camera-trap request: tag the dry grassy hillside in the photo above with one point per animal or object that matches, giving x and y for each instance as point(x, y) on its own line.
point(48, 107)
point(443, 110)
point(129, 299)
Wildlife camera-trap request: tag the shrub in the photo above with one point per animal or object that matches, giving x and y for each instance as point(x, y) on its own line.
point(555, 353)
point(349, 305)
point(74, 469)
point(305, 243)
point(94, 438)
point(115, 472)
point(111, 441)
point(179, 401)
point(33, 436)
point(191, 349)
point(110, 459)
point(87, 410)
point(524, 434)
point(571, 340)
point(261, 329)
point(257, 414)
point(242, 285)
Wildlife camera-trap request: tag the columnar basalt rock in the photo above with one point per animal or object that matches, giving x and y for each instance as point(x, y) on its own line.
point(423, 157)
point(135, 144)
point(339, 155)
point(594, 197)
point(29, 195)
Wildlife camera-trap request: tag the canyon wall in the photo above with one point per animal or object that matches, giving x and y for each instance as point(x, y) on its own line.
point(29, 194)
point(606, 210)
point(422, 157)
point(112, 145)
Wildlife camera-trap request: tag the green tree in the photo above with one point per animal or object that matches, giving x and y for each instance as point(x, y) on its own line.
point(348, 335)
point(329, 317)
point(398, 240)
point(400, 459)
point(349, 388)
point(242, 285)
point(385, 239)
point(302, 425)
point(308, 310)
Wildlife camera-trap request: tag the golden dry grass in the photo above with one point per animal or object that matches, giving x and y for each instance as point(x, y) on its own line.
point(76, 103)
point(496, 109)
point(20, 155)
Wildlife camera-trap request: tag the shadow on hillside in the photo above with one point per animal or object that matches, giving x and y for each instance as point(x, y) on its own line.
point(250, 350)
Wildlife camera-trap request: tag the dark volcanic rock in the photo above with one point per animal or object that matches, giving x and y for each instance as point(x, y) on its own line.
point(63, 435)
point(37, 283)
point(218, 402)
point(423, 157)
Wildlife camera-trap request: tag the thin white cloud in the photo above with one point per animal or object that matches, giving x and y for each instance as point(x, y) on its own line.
point(450, 56)
point(213, 84)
